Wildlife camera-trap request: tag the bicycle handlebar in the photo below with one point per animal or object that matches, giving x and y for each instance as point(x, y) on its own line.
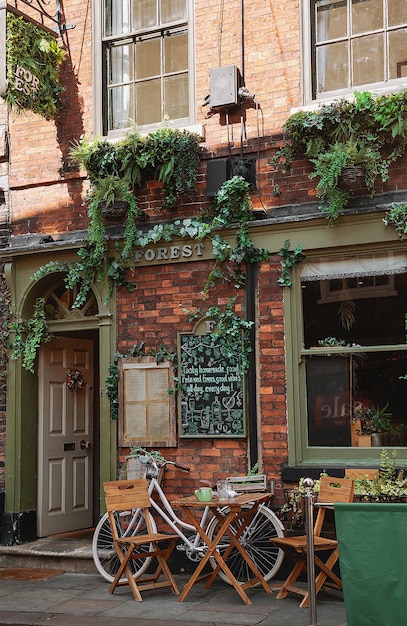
point(184, 468)
point(148, 458)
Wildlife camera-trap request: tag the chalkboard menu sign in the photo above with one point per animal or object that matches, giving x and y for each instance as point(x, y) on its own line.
point(211, 389)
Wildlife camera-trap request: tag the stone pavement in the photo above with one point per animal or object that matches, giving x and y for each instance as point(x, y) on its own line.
point(83, 600)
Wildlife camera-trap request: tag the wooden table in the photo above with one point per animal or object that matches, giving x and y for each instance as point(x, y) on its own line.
point(238, 510)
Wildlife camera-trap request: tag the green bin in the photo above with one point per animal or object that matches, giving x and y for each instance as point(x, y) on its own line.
point(372, 539)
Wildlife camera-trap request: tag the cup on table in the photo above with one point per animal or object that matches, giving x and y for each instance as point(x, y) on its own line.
point(222, 489)
point(204, 494)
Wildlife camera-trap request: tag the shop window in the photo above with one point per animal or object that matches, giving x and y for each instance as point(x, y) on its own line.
point(355, 43)
point(354, 349)
point(146, 57)
point(146, 403)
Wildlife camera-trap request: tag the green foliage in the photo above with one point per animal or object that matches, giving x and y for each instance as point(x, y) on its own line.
point(289, 259)
point(397, 217)
point(389, 485)
point(231, 207)
point(231, 330)
point(168, 154)
point(28, 336)
point(37, 52)
point(370, 130)
point(374, 419)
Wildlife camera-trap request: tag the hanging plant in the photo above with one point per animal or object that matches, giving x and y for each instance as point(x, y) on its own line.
point(369, 131)
point(169, 155)
point(28, 336)
point(33, 61)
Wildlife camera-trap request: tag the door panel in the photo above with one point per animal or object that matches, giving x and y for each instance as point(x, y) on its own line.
point(65, 475)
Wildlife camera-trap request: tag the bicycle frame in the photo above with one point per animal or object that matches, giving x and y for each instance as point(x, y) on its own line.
point(167, 513)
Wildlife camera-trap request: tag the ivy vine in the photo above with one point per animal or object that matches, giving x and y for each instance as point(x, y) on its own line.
point(29, 335)
point(289, 259)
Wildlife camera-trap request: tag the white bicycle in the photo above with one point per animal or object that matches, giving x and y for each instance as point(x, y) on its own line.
point(264, 526)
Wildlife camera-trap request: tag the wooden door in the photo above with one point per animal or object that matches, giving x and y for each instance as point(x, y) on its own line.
point(65, 444)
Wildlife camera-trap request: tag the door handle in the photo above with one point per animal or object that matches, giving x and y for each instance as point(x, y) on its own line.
point(85, 445)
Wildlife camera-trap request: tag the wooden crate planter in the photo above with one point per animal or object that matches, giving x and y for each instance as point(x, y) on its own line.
point(244, 484)
point(357, 439)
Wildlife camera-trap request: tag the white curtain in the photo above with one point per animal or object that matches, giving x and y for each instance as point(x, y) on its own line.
point(355, 265)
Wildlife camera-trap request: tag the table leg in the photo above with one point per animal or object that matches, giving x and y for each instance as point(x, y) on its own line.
point(234, 543)
point(212, 552)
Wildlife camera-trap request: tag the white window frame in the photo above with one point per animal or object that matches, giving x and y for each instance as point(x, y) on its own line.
point(306, 29)
point(97, 21)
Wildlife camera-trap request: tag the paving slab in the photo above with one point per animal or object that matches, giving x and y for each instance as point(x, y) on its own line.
point(83, 600)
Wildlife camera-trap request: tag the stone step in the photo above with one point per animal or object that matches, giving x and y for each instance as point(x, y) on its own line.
point(71, 552)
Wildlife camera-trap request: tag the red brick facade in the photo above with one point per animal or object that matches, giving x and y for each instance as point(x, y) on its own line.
point(47, 193)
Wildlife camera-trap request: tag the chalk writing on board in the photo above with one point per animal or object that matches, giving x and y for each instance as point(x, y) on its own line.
point(212, 401)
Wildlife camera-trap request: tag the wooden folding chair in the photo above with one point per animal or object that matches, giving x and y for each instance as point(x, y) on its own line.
point(125, 495)
point(331, 490)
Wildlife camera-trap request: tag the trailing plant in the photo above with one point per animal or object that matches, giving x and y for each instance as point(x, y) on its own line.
point(33, 61)
point(232, 207)
point(169, 155)
point(397, 217)
point(369, 130)
point(28, 336)
point(231, 330)
point(289, 259)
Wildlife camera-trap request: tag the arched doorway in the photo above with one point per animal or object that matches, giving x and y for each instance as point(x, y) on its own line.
point(92, 326)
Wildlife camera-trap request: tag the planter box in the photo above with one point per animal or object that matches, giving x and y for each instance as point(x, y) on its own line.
point(259, 482)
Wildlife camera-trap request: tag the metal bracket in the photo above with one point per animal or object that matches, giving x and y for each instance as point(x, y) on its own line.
point(45, 19)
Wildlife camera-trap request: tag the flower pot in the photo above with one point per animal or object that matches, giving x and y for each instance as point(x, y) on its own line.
point(352, 177)
point(114, 212)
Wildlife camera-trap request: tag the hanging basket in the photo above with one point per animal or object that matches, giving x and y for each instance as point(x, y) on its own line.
point(352, 177)
point(114, 212)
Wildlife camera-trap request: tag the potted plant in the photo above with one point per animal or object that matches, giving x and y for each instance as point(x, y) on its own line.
point(372, 426)
point(370, 131)
point(389, 484)
point(341, 169)
point(112, 197)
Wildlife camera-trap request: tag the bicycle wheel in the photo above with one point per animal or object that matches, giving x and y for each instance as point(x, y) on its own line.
point(264, 526)
point(104, 554)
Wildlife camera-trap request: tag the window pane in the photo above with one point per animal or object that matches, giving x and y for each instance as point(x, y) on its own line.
point(144, 14)
point(176, 96)
point(331, 20)
point(398, 54)
point(121, 66)
point(120, 107)
point(328, 401)
point(173, 10)
point(176, 53)
point(366, 313)
point(397, 10)
point(366, 15)
point(148, 61)
point(342, 389)
point(149, 102)
point(367, 59)
point(332, 67)
point(117, 17)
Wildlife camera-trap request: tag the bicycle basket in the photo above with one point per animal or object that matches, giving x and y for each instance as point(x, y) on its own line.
point(136, 469)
